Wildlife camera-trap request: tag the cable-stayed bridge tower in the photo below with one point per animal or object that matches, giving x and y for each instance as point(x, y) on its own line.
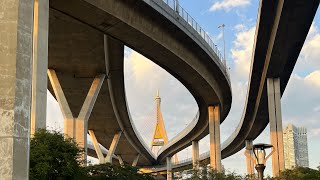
point(159, 137)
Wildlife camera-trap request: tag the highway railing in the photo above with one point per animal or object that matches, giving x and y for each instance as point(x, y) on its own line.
point(175, 6)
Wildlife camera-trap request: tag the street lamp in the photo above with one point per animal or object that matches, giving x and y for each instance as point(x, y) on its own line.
point(260, 154)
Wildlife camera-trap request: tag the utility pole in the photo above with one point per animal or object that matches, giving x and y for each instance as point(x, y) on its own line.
point(224, 46)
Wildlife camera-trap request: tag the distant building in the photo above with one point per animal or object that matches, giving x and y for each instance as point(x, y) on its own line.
point(295, 147)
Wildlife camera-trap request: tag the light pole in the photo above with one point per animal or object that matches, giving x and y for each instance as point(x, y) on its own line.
point(260, 155)
point(224, 45)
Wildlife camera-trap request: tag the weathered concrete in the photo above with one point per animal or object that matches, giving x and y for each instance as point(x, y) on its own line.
point(214, 134)
point(195, 155)
point(40, 65)
point(275, 117)
point(16, 23)
point(249, 159)
point(169, 169)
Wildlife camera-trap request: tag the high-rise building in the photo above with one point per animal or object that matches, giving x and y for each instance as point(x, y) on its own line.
point(295, 147)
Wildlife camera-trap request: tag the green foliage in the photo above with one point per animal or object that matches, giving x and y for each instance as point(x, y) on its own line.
point(205, 173)
point(54, 157)
point(299, 173)
point(115, 172)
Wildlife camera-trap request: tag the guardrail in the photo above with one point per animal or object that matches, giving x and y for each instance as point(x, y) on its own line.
point(189, 23)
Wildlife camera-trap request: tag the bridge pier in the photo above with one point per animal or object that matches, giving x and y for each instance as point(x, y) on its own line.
point(275, 118)
point(135, 161)
point(113, 147)
point(169, 169)
point(15, 87)
point(249, 159)
point(96, 147)
point(195, 155)
point(40, 65)
point(214, 133)
point(76, 127)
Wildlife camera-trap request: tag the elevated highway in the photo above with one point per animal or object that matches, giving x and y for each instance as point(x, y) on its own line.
point(280, 34)
point(79, 51)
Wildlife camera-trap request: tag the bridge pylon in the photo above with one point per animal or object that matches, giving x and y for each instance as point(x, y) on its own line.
point(160, 137)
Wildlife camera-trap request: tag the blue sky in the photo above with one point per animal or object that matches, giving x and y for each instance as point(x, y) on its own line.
point(300, 102)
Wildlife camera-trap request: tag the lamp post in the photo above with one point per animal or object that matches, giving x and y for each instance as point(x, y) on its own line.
point(260, 155)
point(224, 45)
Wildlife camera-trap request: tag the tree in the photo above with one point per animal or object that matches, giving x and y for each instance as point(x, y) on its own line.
point(299, 173)
point(318, 167)
point(115, 172)
point(52, 156)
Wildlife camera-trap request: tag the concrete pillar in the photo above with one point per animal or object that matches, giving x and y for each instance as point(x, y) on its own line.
point(69, 127)
point(214, 133)
point(120, 160)
point(113, 146)
point(169, 169)
point(40, 65)
point(81, 123)
point(195, 155)
point(16, 23)
point(135, 161)
point(275, 118)
point(249, 159)
point(76, 127)
point(96, 147)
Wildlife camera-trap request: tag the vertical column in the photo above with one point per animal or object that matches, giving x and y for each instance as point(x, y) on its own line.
point(275, 118)
point(249, 159)
point(40, 65)
point(169, 169)
point(214, 133)
point(16, 25)
point(195, 155)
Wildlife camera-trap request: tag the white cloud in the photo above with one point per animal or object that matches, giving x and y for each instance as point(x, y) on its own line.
point(227, 5)
point(241, 51)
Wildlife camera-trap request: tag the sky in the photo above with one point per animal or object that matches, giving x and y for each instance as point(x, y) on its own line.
point(300, 101)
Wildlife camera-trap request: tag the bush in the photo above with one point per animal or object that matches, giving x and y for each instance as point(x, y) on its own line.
point(299, 173)
point(54, 157)
point(115, 172)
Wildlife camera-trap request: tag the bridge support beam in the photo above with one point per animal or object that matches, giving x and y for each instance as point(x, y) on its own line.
point(195, 155)
point(97, 147)
point(120, 160)
point(76, 128)
point(135, 161)
point(214, 133)
point(275, 118)
point(40, 65)
point(15, 87)
point(169, 169)
point(113, 146)
point(249, 159)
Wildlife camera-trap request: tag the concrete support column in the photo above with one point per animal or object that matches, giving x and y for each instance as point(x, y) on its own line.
point(249, 159)
point(275, 118)
point(96, 147)
point(113, 146)
point(214, 133)
point(120, 160)
point(16, 25)
point(135, 161)
point(195, 155)
point(40, 65)
point(76, 127)
point(169, 169)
